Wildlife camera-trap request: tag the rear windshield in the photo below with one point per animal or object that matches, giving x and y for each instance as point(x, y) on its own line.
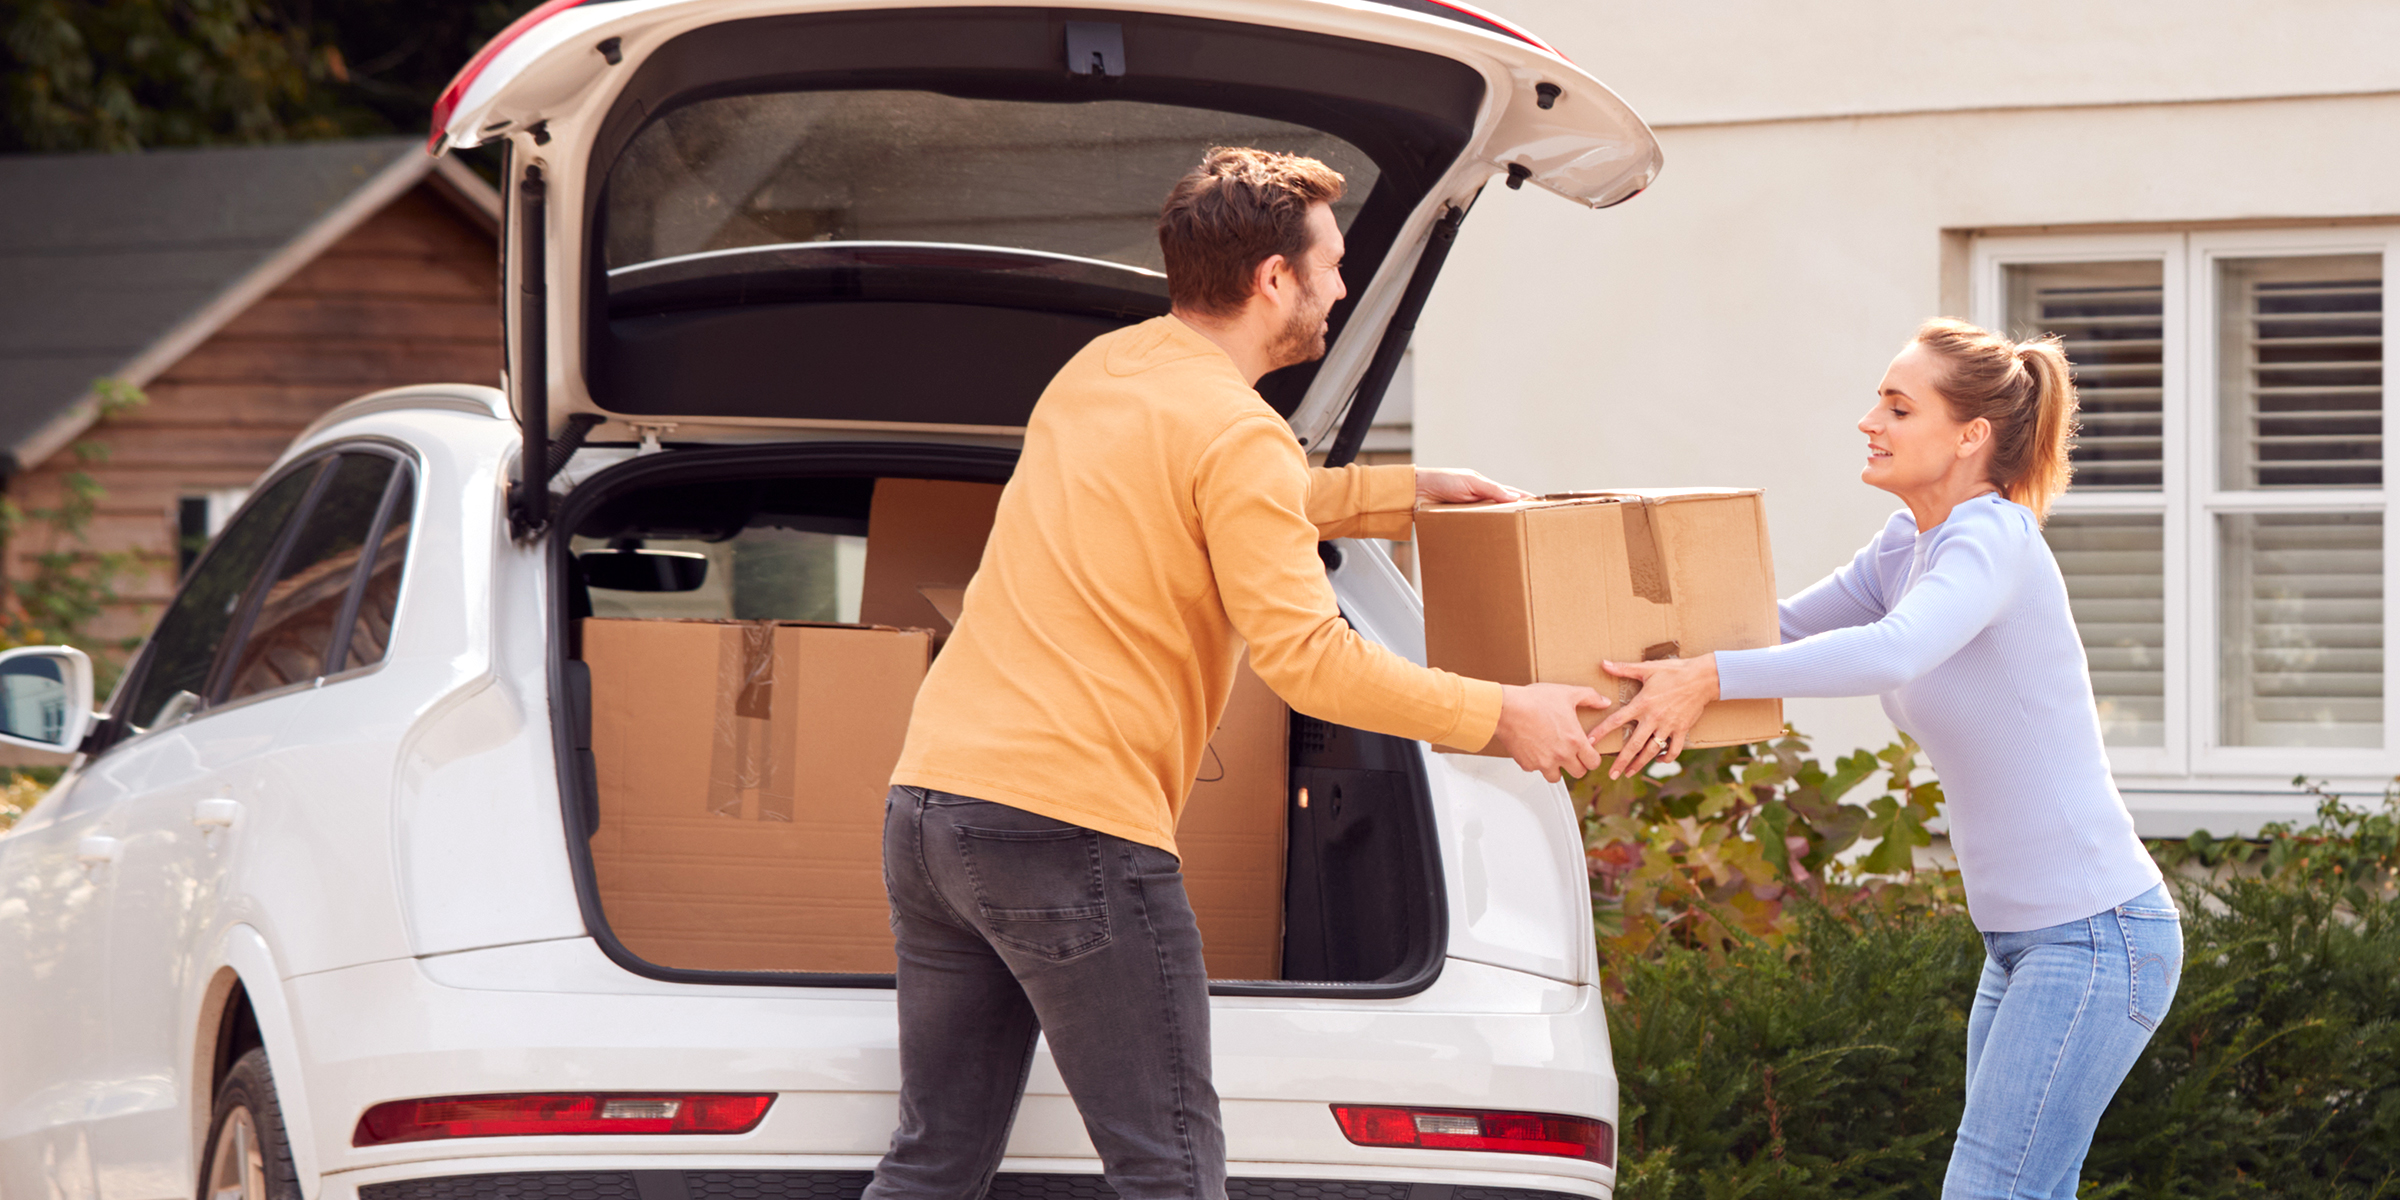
point(778, 182)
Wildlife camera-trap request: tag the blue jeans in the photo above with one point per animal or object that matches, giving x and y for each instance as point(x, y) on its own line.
point(2060, 1016)
point(1011, 925)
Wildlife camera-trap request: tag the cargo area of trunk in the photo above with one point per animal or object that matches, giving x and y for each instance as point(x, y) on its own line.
point(732, 741)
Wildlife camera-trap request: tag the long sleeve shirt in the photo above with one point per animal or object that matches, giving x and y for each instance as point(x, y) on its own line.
point(1964, 632)
point(1160, 517)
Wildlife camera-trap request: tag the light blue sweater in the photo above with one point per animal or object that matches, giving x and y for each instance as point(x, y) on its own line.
point(1965, 633)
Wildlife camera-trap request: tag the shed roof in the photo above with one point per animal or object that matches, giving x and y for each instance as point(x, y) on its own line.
point(118, 264)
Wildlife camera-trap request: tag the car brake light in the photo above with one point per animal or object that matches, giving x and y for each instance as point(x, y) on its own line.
point(1474, 1129)
point(447, 104)
point(523, 1115)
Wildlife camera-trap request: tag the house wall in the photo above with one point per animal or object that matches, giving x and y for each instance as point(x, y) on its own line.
point(409, 296)
point(1826, 166)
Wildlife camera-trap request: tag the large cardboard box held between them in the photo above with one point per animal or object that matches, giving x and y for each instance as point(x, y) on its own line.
point(742, 769)
point(1542, 590)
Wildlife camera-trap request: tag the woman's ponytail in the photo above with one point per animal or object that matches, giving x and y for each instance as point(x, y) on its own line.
point(2026, 390)
point(2044, 469)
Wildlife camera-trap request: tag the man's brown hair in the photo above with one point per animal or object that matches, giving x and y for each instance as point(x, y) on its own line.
point(1232, 212)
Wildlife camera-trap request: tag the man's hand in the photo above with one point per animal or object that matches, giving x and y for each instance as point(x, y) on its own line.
point(1539, 728)
point(1675, 691)
point(1457, 485)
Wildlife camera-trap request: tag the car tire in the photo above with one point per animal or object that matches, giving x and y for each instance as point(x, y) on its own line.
point(247, 1156)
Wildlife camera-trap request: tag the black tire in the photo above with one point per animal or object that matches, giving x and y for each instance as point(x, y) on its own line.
point(247, 1098)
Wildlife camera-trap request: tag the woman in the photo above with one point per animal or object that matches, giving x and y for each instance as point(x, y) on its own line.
point(1957, 616)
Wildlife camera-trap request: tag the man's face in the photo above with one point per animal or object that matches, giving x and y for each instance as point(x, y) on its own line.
point(1318, 271)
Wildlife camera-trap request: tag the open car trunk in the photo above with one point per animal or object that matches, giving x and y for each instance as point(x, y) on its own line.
point(731, 221)
point(732, 739)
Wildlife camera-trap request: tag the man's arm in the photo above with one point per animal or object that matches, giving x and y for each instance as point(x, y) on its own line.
point(1381, 502)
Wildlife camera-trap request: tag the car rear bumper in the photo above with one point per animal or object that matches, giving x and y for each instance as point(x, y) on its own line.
point(557, 1017)
point(737, 1184)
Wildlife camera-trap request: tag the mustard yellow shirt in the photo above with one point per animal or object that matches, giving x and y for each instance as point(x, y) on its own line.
point(1161, 516)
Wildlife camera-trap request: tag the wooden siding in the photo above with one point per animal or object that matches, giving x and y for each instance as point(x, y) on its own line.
point(409, 296)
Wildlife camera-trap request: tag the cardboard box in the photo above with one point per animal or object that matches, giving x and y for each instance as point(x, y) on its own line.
point(924, 540)
point(742, 767)
point(1543, 590)
point(1234, 832)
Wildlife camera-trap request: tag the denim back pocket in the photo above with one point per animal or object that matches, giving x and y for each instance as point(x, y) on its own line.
point(1038, 890)
point(2154, 955)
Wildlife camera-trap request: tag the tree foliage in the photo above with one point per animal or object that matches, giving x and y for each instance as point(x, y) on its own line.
point(132, 74)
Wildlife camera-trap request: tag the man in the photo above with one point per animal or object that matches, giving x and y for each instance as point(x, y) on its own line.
point(1161, 516)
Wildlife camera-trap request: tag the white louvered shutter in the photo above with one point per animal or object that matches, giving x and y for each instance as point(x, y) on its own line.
point(2300, 349)
point(2300, 613)
point(2115, 571)
point(2300, 606)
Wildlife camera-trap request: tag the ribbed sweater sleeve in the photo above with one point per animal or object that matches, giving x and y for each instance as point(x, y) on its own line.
point(1845, 598)
point(1969, 576)
point(1252, 493)
point(1363, 502)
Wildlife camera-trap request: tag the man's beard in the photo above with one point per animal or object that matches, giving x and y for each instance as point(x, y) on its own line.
point(1302, 339)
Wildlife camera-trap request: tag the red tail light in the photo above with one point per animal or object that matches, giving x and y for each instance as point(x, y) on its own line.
point(526, 1115)
point(1474, 1129)
point(459, 83)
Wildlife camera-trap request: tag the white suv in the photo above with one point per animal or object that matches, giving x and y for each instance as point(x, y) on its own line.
point(316, 911)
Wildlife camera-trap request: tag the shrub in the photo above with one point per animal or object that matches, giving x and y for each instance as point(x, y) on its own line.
point(1793, 1024)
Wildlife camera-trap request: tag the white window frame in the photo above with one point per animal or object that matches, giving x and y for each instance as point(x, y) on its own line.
point(2192, 760)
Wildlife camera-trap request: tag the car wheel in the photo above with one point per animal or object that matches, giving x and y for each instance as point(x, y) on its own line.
point(248, 1157)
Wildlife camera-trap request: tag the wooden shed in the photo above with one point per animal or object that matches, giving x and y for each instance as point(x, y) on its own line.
point(245, 291)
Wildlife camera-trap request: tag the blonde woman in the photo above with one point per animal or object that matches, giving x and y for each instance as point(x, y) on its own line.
point(1956, 615)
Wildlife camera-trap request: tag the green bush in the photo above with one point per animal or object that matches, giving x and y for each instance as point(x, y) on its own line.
point(1795, 1026)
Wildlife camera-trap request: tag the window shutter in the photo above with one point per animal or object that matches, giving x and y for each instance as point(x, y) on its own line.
point(2300, 620)
point(2301, 354)
point(2111, 316)
point(2114, 566)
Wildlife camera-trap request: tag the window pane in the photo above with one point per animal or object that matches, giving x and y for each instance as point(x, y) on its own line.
point(2301, 626)
point(2116, 586)
point(296, 618)
point(820, 193)
point(371, 631)
point(185, 645)
point(2300, 354)
point(2112, 318)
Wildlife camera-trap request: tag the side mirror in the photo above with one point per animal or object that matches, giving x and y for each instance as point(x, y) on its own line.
point(45, 697)
point(625, 570)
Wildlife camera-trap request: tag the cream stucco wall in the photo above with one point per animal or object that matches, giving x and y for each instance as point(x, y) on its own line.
point(1729, 325)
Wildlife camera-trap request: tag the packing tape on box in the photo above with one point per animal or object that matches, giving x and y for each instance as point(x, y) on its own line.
point(741, 773)
point(1645, 564)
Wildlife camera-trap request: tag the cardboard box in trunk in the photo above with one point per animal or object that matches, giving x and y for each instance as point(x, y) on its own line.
point(1543, 590)
point(712, 852)
point(1234, 831)
point(742, 768)
point(924, 540)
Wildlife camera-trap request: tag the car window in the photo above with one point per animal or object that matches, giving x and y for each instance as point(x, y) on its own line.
point(371, 629)
point(293, 627)
point(849, 181)
point(175, 669)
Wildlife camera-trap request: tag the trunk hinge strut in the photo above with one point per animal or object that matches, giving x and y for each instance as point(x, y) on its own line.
point(529, 498)
point(1386, 362)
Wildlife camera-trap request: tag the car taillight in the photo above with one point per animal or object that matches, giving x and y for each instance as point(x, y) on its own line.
point(1475, 1129)
point(529, 1114)
point(447, 104)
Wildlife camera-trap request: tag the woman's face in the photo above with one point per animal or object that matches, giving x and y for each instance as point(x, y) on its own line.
point(1913, 442)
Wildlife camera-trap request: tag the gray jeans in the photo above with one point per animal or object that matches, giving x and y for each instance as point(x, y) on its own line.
point(1012, 925)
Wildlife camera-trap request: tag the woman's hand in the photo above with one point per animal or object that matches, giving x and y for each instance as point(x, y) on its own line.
point(1674, 692)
